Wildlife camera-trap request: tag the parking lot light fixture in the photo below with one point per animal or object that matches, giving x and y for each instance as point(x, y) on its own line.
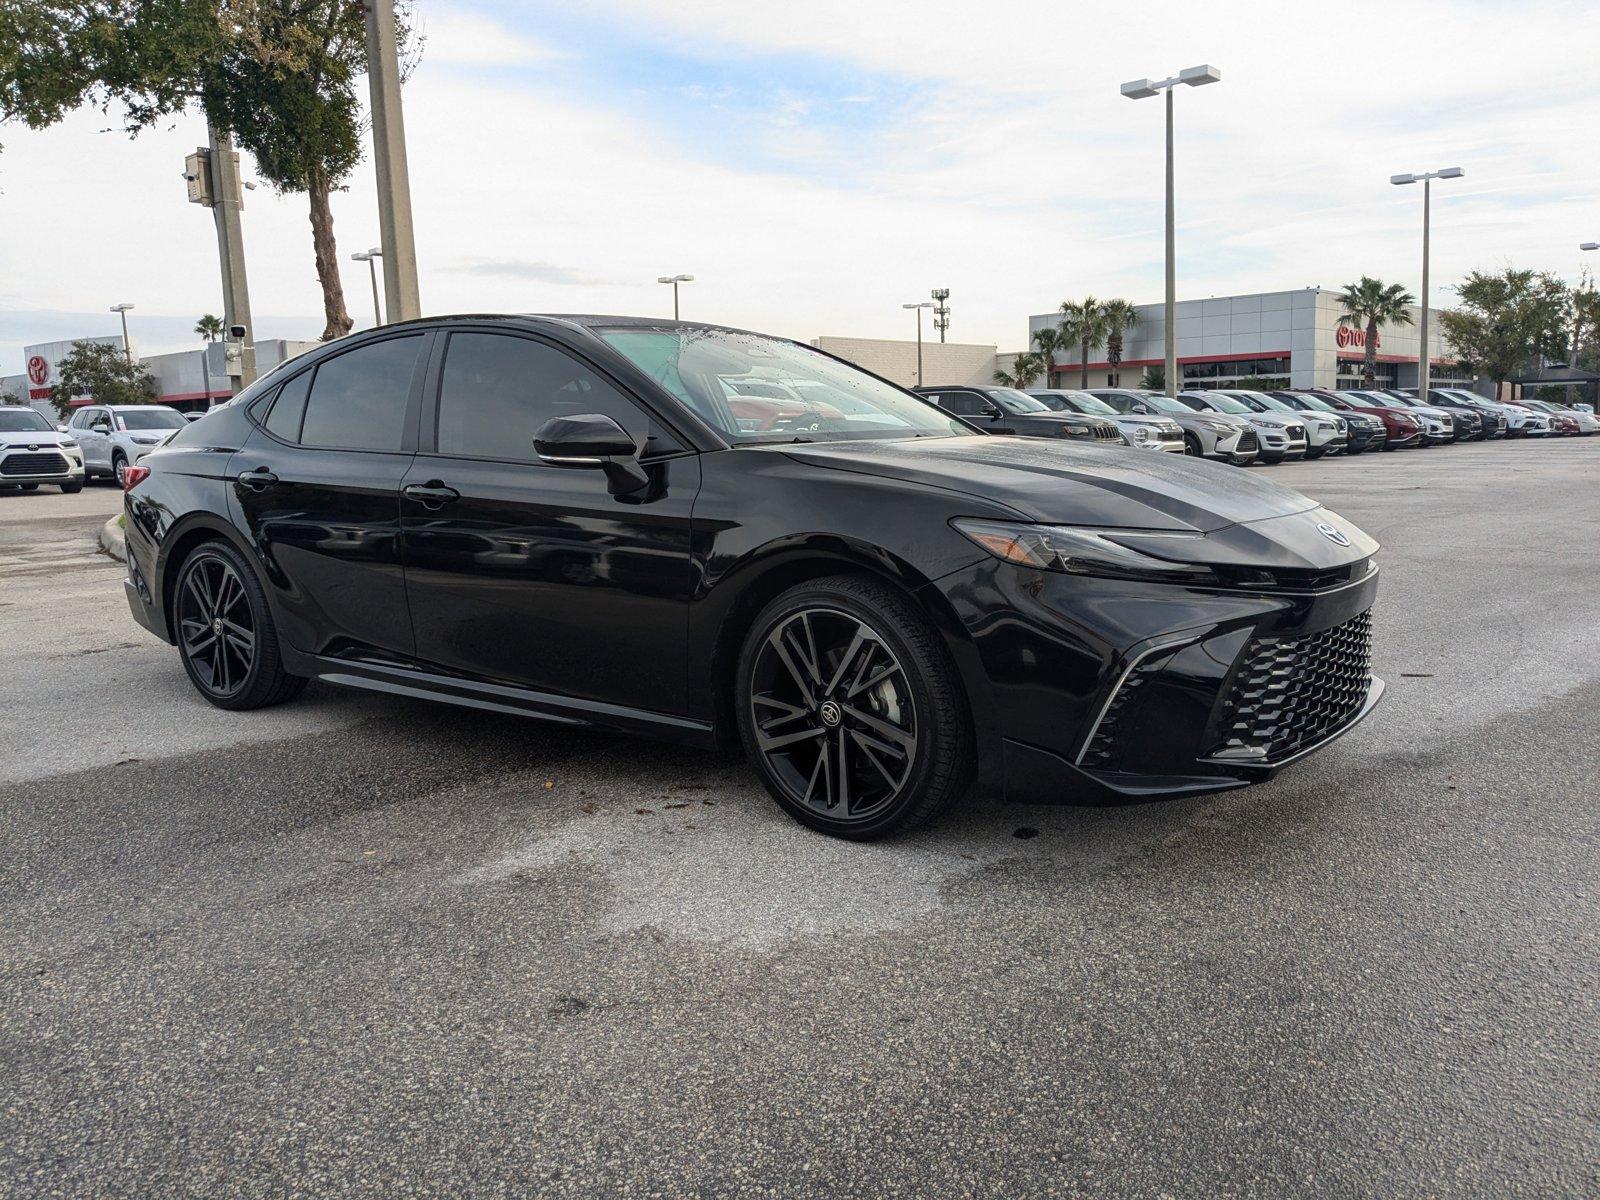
point(1143, 89)
point(919, 307)
point(371, 257)
point(127, 349)
point(675, 280)
point(1424, 359)
point(1589, 245)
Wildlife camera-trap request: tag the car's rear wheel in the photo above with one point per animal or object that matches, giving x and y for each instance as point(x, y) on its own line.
point(226, 636)
point(851, 710)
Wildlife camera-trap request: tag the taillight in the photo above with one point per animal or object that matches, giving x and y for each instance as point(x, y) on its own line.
point(133, 476)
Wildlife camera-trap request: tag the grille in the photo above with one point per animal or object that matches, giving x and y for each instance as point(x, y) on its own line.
point(1169, 435)
point(1101, 751)
point(33, 464)
point(1107, 433)
point(1291, 692)
point(1297, 434)
point(1247, 441)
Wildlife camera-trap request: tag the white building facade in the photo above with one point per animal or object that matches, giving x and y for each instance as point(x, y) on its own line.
point(1293, 336)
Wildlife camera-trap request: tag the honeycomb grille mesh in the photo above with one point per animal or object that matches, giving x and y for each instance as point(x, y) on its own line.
point(1291, 692)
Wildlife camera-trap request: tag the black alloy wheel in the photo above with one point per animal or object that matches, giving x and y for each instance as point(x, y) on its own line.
point(1191, 446)
point(851, 710)
point(226, 638)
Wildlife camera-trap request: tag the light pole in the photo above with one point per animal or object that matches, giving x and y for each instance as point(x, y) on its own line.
point(1425, 358)
point(127, 350)
point(675, 280)
point(1589, 246)
point(1143, 89)
point(370, 257)
point(919, 307)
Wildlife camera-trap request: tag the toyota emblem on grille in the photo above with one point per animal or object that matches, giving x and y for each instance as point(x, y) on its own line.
point(1332, 534)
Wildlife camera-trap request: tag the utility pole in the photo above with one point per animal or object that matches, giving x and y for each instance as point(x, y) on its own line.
point(941, 311)
point(401, 296)
point(213, 175)
point(919, 307)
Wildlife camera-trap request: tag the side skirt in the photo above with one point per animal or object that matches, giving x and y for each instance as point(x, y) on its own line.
point(503, 698)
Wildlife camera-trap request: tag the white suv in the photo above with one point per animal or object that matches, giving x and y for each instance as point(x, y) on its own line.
point(115, 436)
point(33, 451)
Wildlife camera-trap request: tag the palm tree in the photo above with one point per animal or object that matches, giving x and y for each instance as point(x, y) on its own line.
point(1369, 304)
point(1120, 316)
point(209, 327)
point(1047, 341)
point(1084, 326)
point(1024, 370)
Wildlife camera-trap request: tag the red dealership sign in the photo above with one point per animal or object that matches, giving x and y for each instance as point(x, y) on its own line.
point(1346, 337)
point(38, 370)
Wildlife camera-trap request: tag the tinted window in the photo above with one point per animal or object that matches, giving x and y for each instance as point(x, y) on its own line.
point(497, 391)
point(963, 404)
point(358, 400)
point(283, 421)
point(151, 418)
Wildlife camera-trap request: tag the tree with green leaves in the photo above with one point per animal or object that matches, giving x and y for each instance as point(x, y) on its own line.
point(1119, 316)
point(1083, 325)
point(1154, 379)
point(279, 75)
point(1507, 321)
point(1025, 369)
point(103, 371)
point(1367, 304)
point(1046, 342)
point(9, 397)
point(209, 327)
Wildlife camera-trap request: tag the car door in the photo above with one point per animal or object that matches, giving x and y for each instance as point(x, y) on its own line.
point(96, 444)
point(533, 575)
point(317, 484)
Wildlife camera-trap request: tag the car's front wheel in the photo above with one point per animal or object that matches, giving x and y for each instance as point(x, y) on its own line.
point(1191, 446)
point(851, 709)
point(226, 635)
point(119, 465)
point(71, 489)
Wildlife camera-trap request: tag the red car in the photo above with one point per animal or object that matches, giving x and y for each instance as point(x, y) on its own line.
point(1400, 428)
point(1561, 424)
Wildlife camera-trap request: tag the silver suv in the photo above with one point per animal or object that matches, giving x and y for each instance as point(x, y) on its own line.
point(1282, 434)
point(1205, 435)
point(116, 436)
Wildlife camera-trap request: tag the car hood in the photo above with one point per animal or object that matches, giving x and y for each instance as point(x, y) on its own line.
point(1276, 420)
point(1061, 483)
point(1141, 419)
point(34, 437)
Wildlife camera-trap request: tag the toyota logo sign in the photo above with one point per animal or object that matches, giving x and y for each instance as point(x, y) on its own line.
point(38, 370)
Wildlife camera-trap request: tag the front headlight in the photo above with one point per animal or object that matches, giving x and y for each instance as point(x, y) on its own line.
point(1074, 431)
point(1219, 426)
point(1076, 551)
point(69, 445)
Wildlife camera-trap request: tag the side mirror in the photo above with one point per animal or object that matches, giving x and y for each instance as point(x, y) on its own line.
point(1142, 410)
point(593, 440)
point(993, 413)
point(100, 427)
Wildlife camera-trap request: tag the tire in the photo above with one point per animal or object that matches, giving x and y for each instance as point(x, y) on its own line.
point(118, 464)
point(1191, 446)
point(71, 489)
point(212, 653)
point(859, 705)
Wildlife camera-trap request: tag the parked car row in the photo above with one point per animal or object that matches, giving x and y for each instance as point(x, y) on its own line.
point(1244, 427)
point(101, 440)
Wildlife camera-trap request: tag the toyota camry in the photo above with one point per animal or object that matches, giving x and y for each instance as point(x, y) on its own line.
point(563, 517)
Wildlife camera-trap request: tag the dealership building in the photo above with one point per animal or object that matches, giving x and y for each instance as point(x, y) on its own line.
point(190, 380)
point(1294, 336)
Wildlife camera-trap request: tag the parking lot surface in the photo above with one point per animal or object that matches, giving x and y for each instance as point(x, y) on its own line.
point(357, 945)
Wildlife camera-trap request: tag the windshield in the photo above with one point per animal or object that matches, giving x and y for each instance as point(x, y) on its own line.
point(1219, 403)
point(1080, 402)
point(1267, 403)
point(1014, 401)
point(1164, 403)
point(154, 417)
point(705, 367)
point(1313, 402)
point(23, 420)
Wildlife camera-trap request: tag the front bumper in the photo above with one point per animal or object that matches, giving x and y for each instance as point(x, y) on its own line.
point(1106, 691)
point(52, 465)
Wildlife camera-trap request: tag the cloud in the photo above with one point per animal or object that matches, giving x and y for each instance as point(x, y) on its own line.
point(467, 38)
point(535, 272)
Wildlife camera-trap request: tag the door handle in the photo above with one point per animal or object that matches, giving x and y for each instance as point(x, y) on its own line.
point(433, 494)
point(258, 480)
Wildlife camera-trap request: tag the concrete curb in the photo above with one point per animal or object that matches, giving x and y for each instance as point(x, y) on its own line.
point(113, 541)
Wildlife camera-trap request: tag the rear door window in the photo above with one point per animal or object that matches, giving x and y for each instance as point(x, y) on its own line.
point(359, 399)
point(289, 409)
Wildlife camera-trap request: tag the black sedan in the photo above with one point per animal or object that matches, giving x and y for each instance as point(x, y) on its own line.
point(1007, 410)
point(562, 517)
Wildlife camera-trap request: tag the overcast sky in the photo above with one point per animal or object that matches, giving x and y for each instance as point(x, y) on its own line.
point(816, 165)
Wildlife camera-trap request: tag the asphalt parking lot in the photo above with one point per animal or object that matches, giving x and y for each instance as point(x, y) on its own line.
point(364, 946)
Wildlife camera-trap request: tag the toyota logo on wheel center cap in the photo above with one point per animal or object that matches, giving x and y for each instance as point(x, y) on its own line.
point(830, 713)
point(1332, 534)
